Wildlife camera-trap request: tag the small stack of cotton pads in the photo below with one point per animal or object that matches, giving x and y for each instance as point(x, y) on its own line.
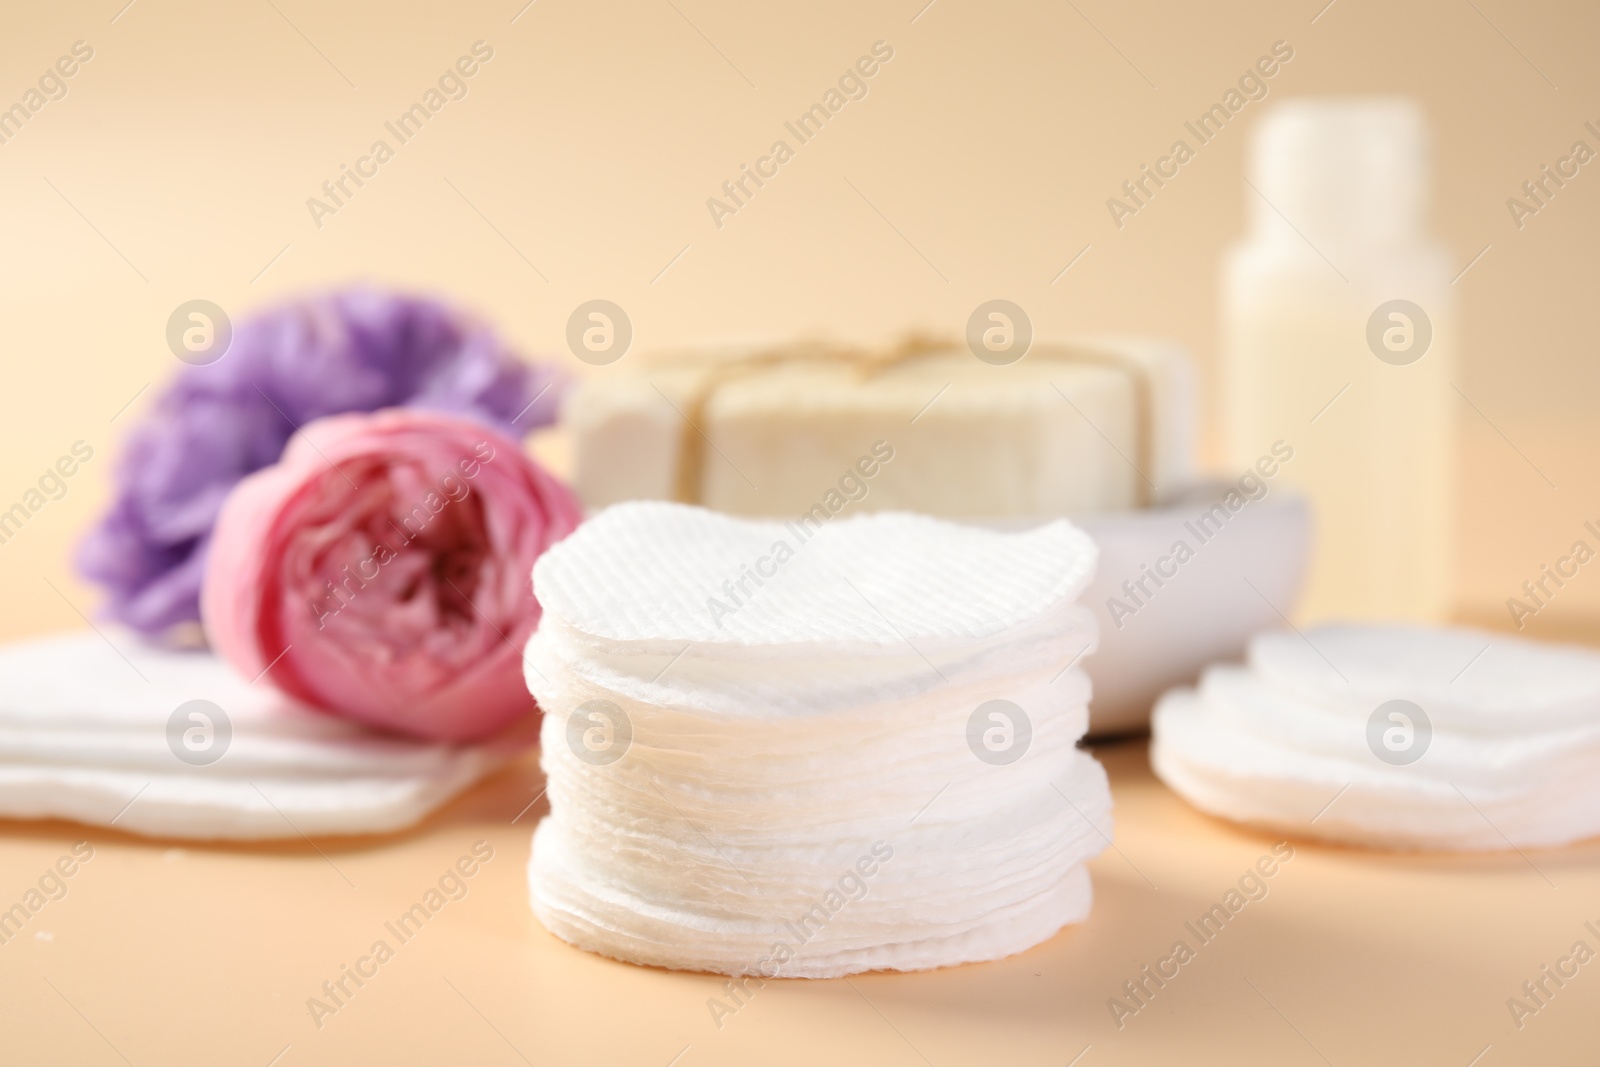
point(811, 749)
point(174, 744)
point(1394, 737)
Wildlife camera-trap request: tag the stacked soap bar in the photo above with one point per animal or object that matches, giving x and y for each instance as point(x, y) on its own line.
point(174, 744)
point(863, 758)
point(1070, 429)
point(1396, 737)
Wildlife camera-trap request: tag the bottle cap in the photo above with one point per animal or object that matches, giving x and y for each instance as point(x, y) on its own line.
point(1341, 170)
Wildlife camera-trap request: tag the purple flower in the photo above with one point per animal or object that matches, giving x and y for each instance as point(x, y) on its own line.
point(357, 350)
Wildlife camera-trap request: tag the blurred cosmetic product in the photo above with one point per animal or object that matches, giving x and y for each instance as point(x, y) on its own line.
point(1339, 335)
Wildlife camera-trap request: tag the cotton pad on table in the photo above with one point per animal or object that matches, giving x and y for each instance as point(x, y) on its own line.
point(1504, 753)
point(86, 733)
point(799, 777)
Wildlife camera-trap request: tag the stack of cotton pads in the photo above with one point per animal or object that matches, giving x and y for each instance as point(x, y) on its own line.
point(807, 749)
point(174, 744)
point(1394, 737)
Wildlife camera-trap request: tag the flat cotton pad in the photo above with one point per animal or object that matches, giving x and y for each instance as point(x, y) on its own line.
point(1396, 737)
point(105, 735)
point(808, 750)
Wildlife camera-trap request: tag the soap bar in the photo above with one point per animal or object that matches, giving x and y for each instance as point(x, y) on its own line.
point(1071, 429)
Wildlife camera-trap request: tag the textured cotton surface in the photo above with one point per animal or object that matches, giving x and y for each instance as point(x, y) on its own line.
point(807, 781)
point(1515, 687)
point(84, 736)
point(646, 572)
point(1513, 759)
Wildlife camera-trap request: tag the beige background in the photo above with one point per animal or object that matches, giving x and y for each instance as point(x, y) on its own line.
point(578, 166)
point(586, 149)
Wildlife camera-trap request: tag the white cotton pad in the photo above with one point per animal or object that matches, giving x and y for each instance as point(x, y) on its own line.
point(1472, 680)
point(871, 584)
point(1510, 758)
point(629, 929)
point(816, 759)
point(796, 687)
point(201, 807)
point(86, 727)
point(1251, 705)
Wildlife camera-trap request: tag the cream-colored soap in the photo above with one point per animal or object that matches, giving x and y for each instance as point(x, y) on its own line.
point(1072, 429)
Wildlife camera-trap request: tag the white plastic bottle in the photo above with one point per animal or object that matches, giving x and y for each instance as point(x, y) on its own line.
point(1338, 337)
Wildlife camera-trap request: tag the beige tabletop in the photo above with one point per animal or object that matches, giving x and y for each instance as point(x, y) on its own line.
point(170, 953)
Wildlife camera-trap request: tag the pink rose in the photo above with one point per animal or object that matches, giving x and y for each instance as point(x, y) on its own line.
point(381, 571)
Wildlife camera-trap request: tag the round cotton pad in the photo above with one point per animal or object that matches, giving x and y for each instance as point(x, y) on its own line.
point(96, 732)
point(1495, 743)
point(1472, 680)
point(870, 763)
